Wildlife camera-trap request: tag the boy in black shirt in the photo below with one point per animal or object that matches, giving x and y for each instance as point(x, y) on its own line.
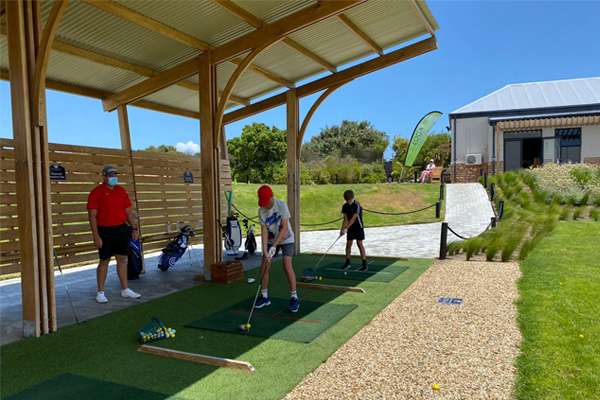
point(353, 226)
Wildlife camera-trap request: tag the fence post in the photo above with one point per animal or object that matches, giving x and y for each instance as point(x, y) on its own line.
point(493, 222)
point(442, 191)
point(438, 207)
point(444, 241)
point(492, 191)
point(416, 173)
point(485, 182)
point(500, 209)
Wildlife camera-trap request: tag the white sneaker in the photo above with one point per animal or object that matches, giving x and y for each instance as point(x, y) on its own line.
point(101, 298)
point(130, 294)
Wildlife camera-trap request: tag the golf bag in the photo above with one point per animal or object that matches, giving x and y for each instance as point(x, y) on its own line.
point(134, 259)
point(175, 248)
point(250, 243)
point(232, 235)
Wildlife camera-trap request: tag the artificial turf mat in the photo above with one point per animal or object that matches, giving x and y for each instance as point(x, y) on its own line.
point(105, 348)
point(375, 273)
point(275, 321)
point(77, 387)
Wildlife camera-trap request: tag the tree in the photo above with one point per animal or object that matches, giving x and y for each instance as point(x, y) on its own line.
point(163, 148)
point(259, 154)
point(359, 140)
point(437, 146)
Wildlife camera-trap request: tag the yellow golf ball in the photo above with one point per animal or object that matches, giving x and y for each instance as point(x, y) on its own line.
point(248, 326)
point(320, 278)
point(435, 386)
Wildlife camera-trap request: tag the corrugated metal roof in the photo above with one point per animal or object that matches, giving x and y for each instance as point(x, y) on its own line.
point(548, 94)
point(387, 22)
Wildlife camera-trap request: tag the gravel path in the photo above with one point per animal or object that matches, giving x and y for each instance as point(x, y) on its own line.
point(468, 349)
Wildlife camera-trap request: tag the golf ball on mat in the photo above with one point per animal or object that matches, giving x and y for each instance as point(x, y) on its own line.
point(345, 273)
point(435, 386)
point(320, 278)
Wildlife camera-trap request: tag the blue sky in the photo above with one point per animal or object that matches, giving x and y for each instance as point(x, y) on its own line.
point(483, 46)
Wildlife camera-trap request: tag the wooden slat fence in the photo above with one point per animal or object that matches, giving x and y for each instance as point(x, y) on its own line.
point(153, 180)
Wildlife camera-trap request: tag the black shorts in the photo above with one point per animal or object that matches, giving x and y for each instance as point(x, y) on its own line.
point(355, 234)
point(115, 241)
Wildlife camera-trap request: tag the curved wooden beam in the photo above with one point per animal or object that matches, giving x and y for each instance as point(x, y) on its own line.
point(233, 79)
point(313, 109)
point(43, 55)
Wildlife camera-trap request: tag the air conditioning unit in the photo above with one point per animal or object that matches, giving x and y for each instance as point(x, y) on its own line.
point(473, 159)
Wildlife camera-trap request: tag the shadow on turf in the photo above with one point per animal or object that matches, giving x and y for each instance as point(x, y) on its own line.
point(102, 353)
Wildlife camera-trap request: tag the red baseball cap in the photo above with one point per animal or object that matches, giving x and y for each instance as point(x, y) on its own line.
point(264, 196)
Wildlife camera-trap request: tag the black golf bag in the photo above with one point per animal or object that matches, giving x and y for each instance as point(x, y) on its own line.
point(134, 259)
point(232, 235)
point(175, 248)
point(250, 243)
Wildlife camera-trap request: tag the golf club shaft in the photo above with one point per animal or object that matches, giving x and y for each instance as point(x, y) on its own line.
point(326, 252)
point(262, 275)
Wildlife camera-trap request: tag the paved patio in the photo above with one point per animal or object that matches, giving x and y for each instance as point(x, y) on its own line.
point(468, 212)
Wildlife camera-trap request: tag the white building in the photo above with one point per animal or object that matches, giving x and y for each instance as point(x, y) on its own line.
point(526, 123)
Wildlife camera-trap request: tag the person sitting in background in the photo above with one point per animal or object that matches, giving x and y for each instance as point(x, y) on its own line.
point(426, 174)
point(109, 210)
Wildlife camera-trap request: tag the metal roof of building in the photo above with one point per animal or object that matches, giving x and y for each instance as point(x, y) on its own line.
point(544, 95)
point(87, 28)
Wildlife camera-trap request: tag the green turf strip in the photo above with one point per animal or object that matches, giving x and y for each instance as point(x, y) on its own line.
point(375, 273)
point(105, 348)
point(77, 387)
point(275, 321)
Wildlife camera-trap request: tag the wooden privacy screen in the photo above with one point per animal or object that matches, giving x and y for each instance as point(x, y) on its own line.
point(155, 182)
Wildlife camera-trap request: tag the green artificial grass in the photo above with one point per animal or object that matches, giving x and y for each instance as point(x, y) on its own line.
point(322, 203)
point(559, 315)
point(378, 271)
point(105, 348)
point(275, 321)
point(71, 387)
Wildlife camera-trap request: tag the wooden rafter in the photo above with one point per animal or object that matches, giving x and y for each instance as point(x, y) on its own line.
point(257, 23)
point(360, 34)
point(266, 73)
point(41, 63)
point(326, 82)
point(269, 33)
point(110, 61)
point(135, 17)
point(130, 15)
point(422, 16)
point(101, 94)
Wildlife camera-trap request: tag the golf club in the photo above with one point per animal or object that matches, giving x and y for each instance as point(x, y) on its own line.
point(326, 252)
point(246, 327)
point(66, 287)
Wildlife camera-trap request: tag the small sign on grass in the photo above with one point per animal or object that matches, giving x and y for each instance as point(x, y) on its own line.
point(450, 300)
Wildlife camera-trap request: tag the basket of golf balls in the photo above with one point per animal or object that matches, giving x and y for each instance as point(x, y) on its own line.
point(155, 330)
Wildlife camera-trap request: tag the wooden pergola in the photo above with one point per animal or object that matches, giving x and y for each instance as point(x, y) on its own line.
point(190, 58)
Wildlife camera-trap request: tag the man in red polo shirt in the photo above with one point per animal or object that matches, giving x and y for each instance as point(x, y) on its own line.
point(109, 210)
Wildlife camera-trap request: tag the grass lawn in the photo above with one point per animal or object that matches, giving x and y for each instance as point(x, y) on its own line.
point(321, 203)
point(105, 348)
point(559, 315)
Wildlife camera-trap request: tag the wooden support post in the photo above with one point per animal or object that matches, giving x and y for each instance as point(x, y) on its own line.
point(438, 209)
point(197, 358)
point(335, 288)
point(444, 241)
point(125, 133)
point(293, 164)
point(209, 162)
point(31, 164)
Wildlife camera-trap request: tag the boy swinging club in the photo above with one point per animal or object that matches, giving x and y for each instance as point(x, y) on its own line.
point(276, 234)
point(353, 226)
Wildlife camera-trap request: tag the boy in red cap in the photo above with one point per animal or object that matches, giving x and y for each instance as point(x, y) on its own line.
point(276, 234)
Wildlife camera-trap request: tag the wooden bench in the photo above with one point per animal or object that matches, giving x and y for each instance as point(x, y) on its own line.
point(436, 174)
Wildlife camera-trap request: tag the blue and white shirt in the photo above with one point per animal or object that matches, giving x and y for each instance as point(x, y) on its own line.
point(272, 217)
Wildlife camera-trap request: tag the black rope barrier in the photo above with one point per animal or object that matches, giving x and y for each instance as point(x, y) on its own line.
point(245, 216)
point(467, 238)
point(400, 213)
point(324, 223)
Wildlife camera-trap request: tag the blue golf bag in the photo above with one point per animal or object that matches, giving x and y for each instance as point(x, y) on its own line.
point(176, 248)
point(134, 259)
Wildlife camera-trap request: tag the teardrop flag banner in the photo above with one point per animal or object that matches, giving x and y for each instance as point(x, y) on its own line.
point(419, 136)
